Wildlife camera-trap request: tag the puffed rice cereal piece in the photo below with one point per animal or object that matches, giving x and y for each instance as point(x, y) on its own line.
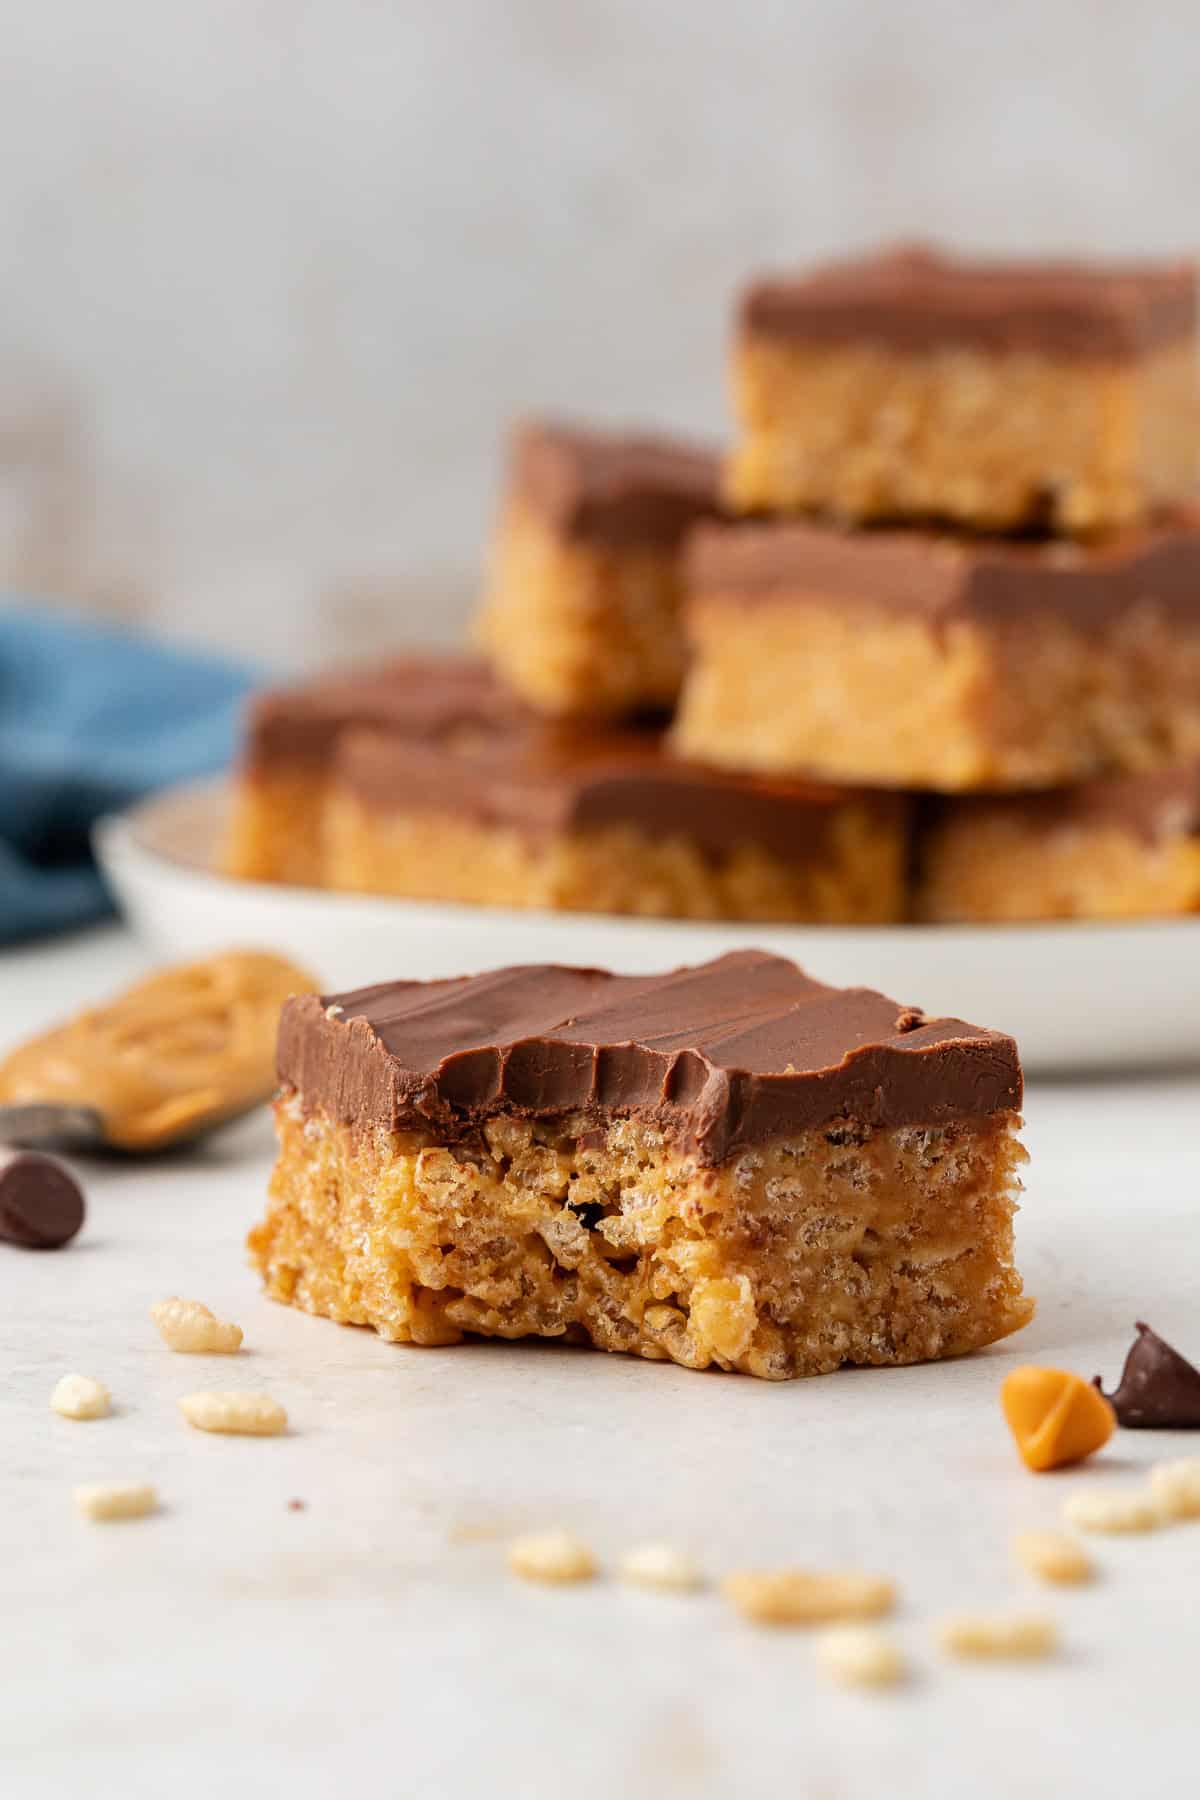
point(552, 1556)
point(1176, 1487)
point(1112, 1509)
point(193, 1329)
point(661, 1566)
point(80, 1397)
point(861, 1656)
point(806, 1596)
point(238, 1412)
point(1053, 1556)
point(997, 1635)
point(116, 1499)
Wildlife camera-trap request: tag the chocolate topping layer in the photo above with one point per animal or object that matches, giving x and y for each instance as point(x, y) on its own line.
point(1159, 1389)
point(545, 780)
point(732, 1053)
point(431, 697)
point(914, 297)
point(1156, 806)
point(941, 577)
point(618, 489)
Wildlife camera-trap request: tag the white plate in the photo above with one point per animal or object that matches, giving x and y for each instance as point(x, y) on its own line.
point(1076, 996)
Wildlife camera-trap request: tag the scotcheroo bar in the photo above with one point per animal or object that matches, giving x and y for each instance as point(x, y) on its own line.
point(581, 609)
point(998, 395)
point(277, 827)
point(608, 821)
point(728, 1165)
point(1122, 849)
point(921, 660)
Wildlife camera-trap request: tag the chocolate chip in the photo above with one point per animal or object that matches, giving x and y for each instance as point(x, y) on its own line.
point(41, 1206)
point(1159, 1389)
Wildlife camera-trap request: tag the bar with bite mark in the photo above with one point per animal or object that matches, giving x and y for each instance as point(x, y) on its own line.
point(729, 1165)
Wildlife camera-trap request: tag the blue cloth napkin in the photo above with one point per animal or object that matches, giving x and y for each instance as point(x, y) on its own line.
point(91, 718)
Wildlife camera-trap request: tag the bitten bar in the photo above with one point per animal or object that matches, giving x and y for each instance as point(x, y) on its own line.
point(581, 610)
point(609, 822)
point(731, 1165)
point(1128, 848)
point(998, 395)
point(920, 660)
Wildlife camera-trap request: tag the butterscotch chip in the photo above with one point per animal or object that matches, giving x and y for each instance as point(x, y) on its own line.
point(80, 1397)
point(998, 1634)
point(1176, 1487)
point(660, 1566)
point(191, 1328)
point(860, 1656)
point(807, 1597)
point(241, 1414)
point(1055, 1416)
point(116, 1499)
point(1052, 1556)
point(1111, 1510)
point(551, 1556)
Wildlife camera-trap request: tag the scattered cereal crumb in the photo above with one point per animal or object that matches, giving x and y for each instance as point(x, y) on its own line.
point(807, 1597)
point(660, 1566)
point(245, 1414)
point(191, 1328)
point(116, 1499)
point(297, 1505)
point(1053, 1556)
point(556, 1556)
point(998, 1634)
point(80, 1397)
point(860, 1656)
point(1111, 1509)
point(1176, 1487)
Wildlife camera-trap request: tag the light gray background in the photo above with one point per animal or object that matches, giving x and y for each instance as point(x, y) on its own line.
point(275, 274)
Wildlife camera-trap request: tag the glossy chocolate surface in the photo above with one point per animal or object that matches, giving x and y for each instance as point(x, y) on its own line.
point(939, 577)
point(422, 697)
point(915, 298)
point(620, 489)
point(546, 780)
point(1155, 807)
point(733, 1053)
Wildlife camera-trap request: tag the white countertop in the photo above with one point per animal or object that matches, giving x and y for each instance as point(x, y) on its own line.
point(374, 1644)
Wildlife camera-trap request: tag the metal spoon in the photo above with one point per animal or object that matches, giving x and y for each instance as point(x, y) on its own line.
point(65, 1125)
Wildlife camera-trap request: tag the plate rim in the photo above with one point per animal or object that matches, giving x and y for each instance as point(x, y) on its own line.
point(116, 836)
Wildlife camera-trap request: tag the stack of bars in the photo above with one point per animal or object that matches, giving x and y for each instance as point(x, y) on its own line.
point(925, 643)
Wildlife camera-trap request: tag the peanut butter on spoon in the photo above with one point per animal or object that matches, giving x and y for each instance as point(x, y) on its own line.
point(187, 1049)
